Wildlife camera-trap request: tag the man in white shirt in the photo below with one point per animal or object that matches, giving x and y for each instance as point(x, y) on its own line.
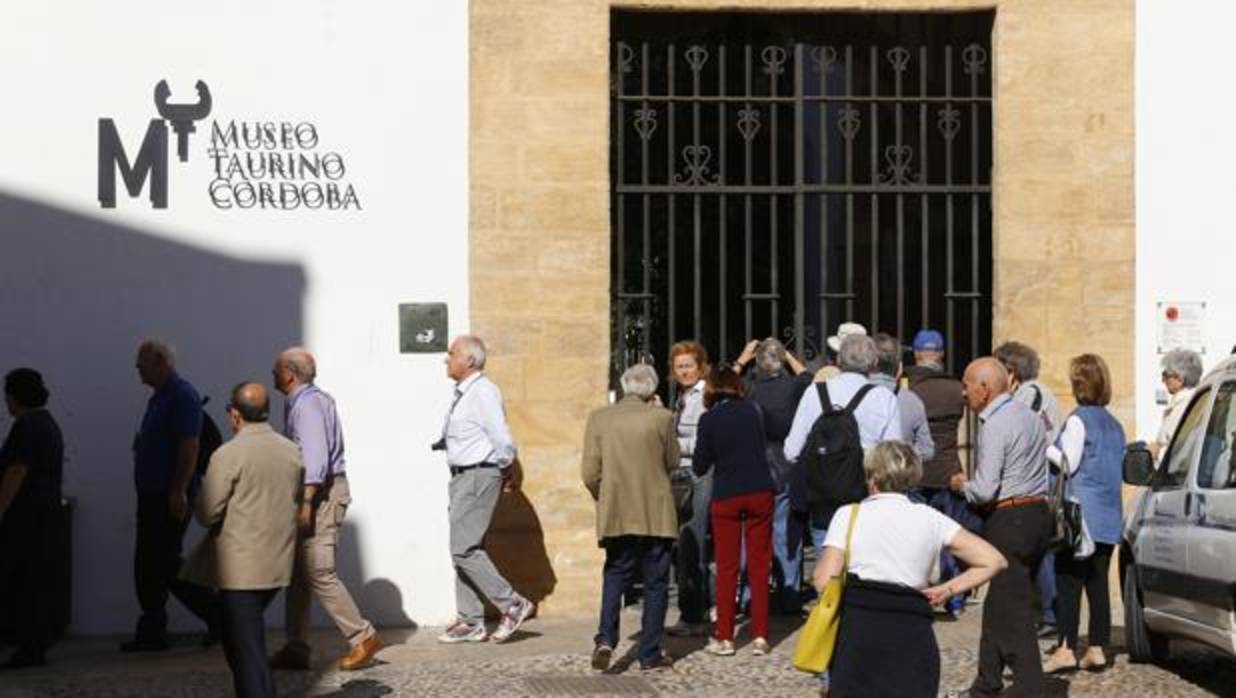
point(480, 453)
point(877, 415)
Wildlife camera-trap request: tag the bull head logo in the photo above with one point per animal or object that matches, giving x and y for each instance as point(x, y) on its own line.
point(182, 116)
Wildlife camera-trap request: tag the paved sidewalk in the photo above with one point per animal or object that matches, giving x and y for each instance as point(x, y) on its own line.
point(550, 657)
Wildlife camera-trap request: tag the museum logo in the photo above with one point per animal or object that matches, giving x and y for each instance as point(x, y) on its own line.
point(254, 163)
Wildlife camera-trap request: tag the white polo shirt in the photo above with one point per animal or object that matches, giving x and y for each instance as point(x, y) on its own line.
point(895, 540)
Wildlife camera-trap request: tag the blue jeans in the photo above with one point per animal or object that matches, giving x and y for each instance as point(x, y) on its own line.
point(696, 586)
point(623, 555)
point(788, 552)
point(1046, 578)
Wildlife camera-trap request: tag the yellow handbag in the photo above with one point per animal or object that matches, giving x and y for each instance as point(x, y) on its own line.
point(819, 636)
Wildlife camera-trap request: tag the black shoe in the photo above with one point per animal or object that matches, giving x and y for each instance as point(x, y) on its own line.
point(601, 655)
point(660, 663)
point(145, 645)
point(24, 659)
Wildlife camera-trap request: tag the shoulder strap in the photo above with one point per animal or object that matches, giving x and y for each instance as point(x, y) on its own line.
point(1037, 405)
point(858, 397)
point(826, 402)
point(849, 535)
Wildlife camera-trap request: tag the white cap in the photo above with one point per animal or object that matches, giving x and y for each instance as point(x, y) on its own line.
point(845, 330)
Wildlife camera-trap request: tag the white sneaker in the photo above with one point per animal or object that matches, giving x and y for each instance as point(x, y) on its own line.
point(460, 631)
point(760, 647)
point(721, 648)
point(512, 619)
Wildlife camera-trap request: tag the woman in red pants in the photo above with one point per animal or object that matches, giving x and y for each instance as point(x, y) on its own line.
point(730, 441)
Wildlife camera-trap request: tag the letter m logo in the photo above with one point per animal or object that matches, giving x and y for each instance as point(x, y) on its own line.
point(151, 164)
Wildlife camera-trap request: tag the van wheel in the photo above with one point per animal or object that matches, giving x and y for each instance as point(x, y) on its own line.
point(1144, 644)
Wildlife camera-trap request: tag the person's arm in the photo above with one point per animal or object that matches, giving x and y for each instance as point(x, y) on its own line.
point(10, 485)
point(590, 465)
point(989, 457)
point(704, 457)
point(1072, 441)
point(493, 422)
point(829, 566)
point(804, 417)
point(981, 560)
point(307, 427)
point(187, 416)
point(746, 357)
point(672, 455)
point(217, 487)
point(892, 424)
point(924, 445)
point(796, 366)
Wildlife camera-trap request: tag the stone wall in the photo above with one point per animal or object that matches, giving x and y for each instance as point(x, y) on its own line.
point(1064, 235)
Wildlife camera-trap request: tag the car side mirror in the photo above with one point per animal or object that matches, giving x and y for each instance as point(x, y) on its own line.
point(1138, 464)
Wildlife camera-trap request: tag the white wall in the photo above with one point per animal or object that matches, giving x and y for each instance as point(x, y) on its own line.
point(386, 85)
point(1185, 148)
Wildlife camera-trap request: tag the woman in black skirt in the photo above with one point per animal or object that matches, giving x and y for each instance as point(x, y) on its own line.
point(885, 644)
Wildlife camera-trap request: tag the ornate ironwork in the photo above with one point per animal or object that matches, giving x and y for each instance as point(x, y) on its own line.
point(898, 171)
point(824, 58)
point(748, 122)
point(774, 58)
point(697, 175)
point(974, 59)
point(949, 122)
point(808, 349)
point(696, 57)
point(626, 58)
point(849, 122)
point(899, 57)
point(645, 122)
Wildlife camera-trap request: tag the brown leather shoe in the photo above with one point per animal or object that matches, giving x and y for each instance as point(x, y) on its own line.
point(290, 659)
point(362, 655)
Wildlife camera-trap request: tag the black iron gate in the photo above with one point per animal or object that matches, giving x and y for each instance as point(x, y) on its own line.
point(778, 174)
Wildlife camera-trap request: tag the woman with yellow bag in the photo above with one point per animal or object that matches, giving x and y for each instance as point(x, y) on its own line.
point(882, 551)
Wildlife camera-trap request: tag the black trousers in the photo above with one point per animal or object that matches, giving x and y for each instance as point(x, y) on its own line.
point(1009, 640)
point(26, 566)
point(1072, 576)
point(156, 564)
point(244, 640)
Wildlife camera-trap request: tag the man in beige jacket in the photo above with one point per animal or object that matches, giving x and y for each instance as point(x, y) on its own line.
point(629, 450)
point(248, 504)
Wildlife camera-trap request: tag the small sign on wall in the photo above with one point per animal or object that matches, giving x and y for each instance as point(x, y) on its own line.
point(422, 328)
point(1181, 325)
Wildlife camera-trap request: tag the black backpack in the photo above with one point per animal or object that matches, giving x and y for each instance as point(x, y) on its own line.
point(209, 439)
point(833, 458)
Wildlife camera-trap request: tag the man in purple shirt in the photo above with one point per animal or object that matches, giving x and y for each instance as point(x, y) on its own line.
point(310, 420)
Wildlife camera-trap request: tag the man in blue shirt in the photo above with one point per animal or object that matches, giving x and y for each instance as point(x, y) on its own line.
point(165, 474)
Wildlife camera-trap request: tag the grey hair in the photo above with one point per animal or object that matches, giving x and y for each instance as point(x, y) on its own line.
point(888, 351)
point(474, 347)
point(158, 348)
point(300, 363)
point(1186, 364)
point(640, 380)
point(858, 354)
point(892, 466)
point(770, 356)
point(1020, 359)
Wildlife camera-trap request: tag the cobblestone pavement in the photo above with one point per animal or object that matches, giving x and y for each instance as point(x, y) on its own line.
point(550, 657)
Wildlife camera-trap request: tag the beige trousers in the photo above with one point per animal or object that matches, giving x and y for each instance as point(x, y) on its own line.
point(314, 574)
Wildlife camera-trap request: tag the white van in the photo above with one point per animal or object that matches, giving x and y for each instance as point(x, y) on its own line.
point(1178, 556)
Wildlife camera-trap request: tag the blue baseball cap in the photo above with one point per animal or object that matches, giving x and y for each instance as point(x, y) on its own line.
point(928, 340)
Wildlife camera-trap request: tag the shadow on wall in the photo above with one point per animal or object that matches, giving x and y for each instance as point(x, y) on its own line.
point(516, 544)
point(379, 600)
point(77, 293)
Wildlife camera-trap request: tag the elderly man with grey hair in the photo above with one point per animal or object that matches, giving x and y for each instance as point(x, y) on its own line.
point(630, 448)
point(481, 455)
point(776, 385)
point(1022, 363)
point(914, 428)
point(1182, 369)
point(311, 420)
point(877, 414)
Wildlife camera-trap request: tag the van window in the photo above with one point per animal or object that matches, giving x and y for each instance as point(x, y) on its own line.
point(1183, 449)
point(1216, 469)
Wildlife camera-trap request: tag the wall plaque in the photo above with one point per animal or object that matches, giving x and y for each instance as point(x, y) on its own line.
point(422, 328)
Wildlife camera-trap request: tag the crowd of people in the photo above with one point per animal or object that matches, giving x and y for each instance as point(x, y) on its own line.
point(858, 458)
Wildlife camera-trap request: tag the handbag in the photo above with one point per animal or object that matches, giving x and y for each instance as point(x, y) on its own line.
point(818, 639)
point(1067, 527)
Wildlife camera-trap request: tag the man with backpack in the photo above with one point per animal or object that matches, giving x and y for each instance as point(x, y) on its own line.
point(834, 424)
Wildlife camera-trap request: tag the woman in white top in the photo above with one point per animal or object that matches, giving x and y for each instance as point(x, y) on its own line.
point(1182, 369)
point(886, 645)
